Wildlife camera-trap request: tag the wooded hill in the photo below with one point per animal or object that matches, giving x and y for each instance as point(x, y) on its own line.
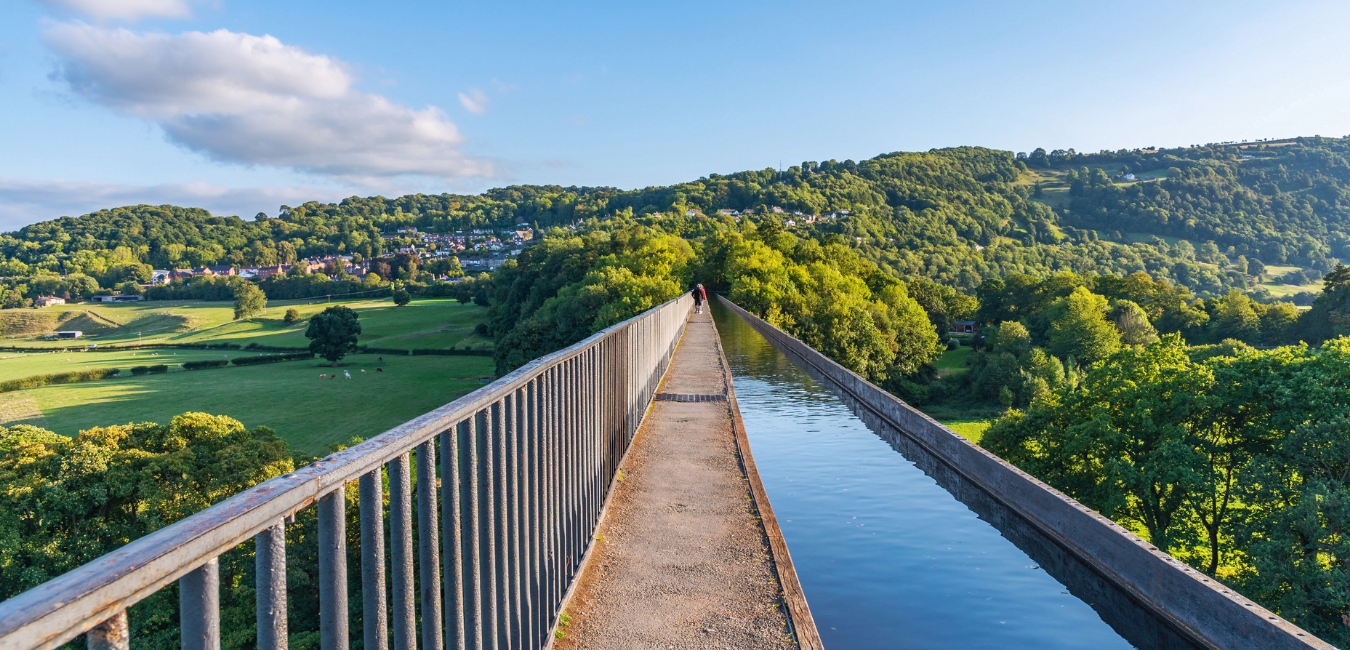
point(958, 216)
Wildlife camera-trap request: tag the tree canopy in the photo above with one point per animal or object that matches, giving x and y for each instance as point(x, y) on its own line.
point(333, 333)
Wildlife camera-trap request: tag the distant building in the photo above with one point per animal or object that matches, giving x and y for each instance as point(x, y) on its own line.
point(1128, 177)
point(729, 212)
point(407, 229)
point(69, 334)
point(124, 297)
point(47, 301)
point(964, 327)
point(160, 276)
point(220, 269)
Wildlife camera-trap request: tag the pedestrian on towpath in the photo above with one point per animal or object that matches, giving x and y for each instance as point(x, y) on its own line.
point(699, 297)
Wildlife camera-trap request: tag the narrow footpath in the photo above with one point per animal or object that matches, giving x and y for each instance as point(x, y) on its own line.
point(681, 558)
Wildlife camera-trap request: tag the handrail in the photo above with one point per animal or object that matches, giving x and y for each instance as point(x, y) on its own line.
point(589, 398)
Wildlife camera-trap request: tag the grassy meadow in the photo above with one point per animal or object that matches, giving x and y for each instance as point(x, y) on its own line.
point(309, 412)
point(432, 323)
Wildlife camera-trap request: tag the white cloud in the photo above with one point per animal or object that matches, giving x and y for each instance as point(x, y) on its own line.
point(23, 202)
point(255, 100)
point(475, 102)
point(128, 10)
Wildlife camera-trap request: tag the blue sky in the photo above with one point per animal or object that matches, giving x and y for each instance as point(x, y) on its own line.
point(239, 106)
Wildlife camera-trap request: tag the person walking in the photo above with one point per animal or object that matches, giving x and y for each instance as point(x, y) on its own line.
point(699, 297)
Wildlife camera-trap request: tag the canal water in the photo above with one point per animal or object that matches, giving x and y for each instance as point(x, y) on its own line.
point(887, 556)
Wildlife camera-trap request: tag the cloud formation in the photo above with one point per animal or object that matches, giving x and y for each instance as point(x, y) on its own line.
point(128, 10)
point(23, 202)
point(475, 102)
point(254, 100)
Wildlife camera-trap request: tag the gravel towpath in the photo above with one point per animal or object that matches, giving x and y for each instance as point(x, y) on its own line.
point(684, 561)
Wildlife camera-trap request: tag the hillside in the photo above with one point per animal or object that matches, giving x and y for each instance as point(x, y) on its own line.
point(959, 216)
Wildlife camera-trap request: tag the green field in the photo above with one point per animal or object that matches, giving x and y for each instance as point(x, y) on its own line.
point(14, 365)
point(953, 361)
point(310, 413)
point(431, 323)
point(972, 430)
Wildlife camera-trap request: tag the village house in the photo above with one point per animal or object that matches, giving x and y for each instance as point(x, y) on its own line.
point(729, 212)
point(47, 301)
point(160, 276)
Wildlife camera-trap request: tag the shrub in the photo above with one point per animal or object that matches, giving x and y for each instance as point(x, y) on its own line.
point(271, 358)
point(139, 370)
point(292, 316)
point(953, 343)
point(156, 369)
point(208, 363)
point(59, 378)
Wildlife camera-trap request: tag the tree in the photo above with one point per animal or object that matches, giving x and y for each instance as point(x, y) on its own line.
point(1133, 324)
point(1124, 443)
point(248, 300)
point(402, 297)
point(1256, 268)
point(333, 333)
point(292, 316)
point(1078, 328)
point(1012, 337)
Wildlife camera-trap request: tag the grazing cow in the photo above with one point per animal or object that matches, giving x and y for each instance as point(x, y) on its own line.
point(379, 370)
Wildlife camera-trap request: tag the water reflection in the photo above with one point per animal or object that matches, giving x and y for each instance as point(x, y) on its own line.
point(899, 551)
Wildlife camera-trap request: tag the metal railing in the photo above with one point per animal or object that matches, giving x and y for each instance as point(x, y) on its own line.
point(525, 465)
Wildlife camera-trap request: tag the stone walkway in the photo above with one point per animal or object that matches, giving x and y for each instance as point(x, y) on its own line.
point(681, 559)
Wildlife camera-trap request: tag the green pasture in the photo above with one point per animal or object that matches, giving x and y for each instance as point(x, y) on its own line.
point(953, 361)
point(972, 430)
point(309, 412)
point(431, 323)
point(14, 365)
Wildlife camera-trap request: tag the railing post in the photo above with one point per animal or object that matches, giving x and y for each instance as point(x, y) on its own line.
point(451, 540)
point(400, 533)
point(487, 531)
point(500, 516)
point(473, 538)
point(428, 546)
point(333, 570)
point(199, 607)
point(112, 634)
point(374, 617)
point(269, 560)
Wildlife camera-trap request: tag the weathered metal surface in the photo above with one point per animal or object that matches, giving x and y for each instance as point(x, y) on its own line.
point(112, 634)
point(499, 540)
point(374, 616)
point(269, 559)
point(199, 607)
point(428, 551)
point(404, 620)
point(333, 571)
point(685, 397)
